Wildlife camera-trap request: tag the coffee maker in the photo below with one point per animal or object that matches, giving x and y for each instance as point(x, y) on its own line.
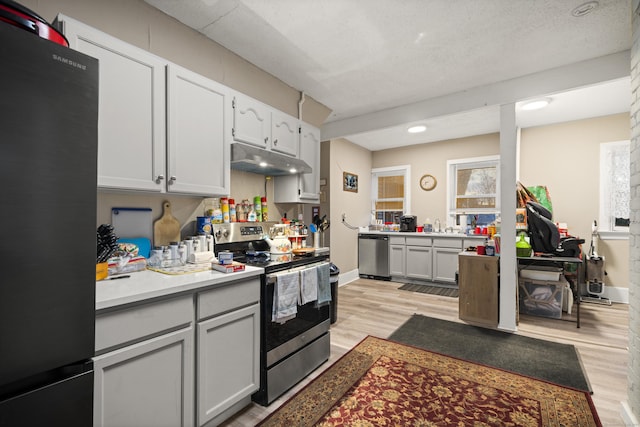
point(408, 223)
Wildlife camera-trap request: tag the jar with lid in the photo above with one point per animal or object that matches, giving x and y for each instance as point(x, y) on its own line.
point(216, 218)
point(241, 213)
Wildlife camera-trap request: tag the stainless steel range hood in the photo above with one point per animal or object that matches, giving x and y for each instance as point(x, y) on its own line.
point(263, 162)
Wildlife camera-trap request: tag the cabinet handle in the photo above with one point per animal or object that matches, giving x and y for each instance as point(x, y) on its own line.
point(266, 140)
point(275, 142)
point(159, 178)
point(172, 179)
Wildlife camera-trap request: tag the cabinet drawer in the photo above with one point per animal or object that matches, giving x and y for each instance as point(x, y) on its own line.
point(419, 241)
point(448, 243)
point(229, 297)
point(396, 240)
point(117, 328)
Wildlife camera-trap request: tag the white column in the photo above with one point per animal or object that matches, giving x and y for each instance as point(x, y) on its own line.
point(508, 176)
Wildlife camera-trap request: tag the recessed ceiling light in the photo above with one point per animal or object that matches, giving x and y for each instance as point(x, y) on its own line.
point(417, 129)
point(585, 9)
point(536, 104)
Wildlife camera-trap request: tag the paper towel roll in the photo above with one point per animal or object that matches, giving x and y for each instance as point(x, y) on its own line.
point(200, 257)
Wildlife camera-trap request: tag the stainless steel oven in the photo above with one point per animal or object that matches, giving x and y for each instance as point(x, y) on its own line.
point(295, 348)
point(292, 349)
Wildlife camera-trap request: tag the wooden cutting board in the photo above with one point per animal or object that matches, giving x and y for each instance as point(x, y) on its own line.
point(166, 229)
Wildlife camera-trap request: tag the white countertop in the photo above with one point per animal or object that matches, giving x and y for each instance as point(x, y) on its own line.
point(416, 234)
point(143, 285)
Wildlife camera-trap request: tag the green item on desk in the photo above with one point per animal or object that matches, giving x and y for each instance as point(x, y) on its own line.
point(523, 248)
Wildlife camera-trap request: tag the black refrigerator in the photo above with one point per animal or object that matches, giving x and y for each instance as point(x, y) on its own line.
point(48, 162)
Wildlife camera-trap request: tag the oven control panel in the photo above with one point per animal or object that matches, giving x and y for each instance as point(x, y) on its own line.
point(235, 232)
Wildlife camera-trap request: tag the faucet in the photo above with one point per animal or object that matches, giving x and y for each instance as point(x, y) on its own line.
point(436, 226)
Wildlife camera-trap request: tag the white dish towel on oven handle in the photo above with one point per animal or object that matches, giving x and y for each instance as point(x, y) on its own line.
point(286, 292)
point(308, 285)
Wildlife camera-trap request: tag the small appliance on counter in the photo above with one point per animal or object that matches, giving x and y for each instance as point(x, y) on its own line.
point(408, 223)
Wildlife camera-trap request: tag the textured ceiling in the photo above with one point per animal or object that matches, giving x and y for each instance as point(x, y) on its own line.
point(360, 57)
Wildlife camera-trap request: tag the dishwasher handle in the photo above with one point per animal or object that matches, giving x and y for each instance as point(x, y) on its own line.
point(373, 237)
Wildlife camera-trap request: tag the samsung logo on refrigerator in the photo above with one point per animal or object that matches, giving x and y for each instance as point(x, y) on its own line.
point(69, 62)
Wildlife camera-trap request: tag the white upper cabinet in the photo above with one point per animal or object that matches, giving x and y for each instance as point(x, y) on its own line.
point(251, 121)
point(284, 133)
point(198, 130)
point(304, 187)
point(258, 124)
point(131, 122)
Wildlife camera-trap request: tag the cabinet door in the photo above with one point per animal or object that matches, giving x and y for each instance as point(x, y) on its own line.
point(419, 262)
point(227, 361)
point(131, 118)
point(146, 384)
point(285, 133)
point(397, 260)
point(251, 121)
point(198, 129)
point(305, 187)
point(479, 289)
point(445, 264)
point(310, 153)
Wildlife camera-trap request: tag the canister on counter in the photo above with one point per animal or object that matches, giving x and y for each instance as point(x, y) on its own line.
point(203, 224)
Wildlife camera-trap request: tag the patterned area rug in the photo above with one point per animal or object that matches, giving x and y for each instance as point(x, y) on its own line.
point(434, 290)
point(382, 383)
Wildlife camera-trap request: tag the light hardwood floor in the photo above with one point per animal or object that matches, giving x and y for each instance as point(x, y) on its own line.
point(370, 307)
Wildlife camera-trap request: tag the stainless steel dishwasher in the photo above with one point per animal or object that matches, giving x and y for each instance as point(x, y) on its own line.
point(373, 256)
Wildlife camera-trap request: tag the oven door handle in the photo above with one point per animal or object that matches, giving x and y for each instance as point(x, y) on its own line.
point(271, 278)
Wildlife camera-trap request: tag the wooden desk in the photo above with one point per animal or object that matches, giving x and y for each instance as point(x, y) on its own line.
point(561, 262)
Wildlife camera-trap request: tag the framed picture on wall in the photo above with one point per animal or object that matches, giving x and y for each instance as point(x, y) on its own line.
point(349, 182)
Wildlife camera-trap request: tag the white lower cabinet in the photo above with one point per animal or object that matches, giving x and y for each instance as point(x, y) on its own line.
point(419, 262)
point(445, 259)
point(397, 257)
point(228, 350)
point(154, 368)
point(228, 346)
point(146, 384)
point(144, 369)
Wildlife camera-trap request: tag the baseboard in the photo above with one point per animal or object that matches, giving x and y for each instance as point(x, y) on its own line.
point(628, 417)
point(349, 276)
point(613, 294)
point(617, 294)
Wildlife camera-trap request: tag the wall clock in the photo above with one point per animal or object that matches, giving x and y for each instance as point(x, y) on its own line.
point(428, 182)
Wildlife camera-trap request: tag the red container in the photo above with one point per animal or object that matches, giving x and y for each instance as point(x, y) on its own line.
point(15, 14)
point(480, 250)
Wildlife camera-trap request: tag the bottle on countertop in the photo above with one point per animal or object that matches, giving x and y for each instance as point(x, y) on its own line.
point(489, 248)
point(251, 216)
point(233, 217)
point(257, 207)
point(265, 214)
point(225, 209)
